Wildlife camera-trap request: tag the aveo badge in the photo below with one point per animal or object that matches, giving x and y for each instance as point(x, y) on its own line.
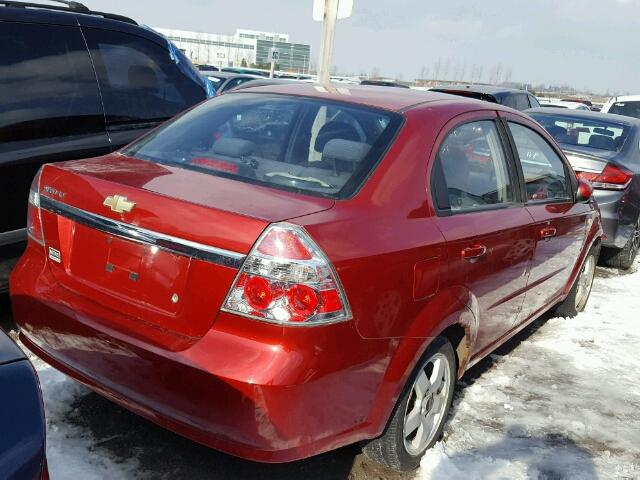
point(55, 255)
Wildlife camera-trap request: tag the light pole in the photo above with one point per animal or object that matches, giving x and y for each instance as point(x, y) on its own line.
point(329, 12)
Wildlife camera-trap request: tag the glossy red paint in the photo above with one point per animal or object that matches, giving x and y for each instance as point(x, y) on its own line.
point(263, 391)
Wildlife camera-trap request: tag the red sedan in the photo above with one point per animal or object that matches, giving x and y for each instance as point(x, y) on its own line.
point(288, 269)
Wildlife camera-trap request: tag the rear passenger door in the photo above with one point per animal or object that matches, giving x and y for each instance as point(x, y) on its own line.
point(50, 110)
point(140, 82)
point(559, 224)
point(486, 227)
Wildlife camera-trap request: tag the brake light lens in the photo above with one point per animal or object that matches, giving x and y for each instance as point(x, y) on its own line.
point(611, 178)
point(34, 221)
point(287, 279)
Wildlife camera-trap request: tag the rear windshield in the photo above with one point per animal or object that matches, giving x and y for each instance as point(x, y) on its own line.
point(628, 109)
point(310, 146)
point(598, 134)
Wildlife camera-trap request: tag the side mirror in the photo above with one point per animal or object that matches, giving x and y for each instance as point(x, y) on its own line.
point(584, 192)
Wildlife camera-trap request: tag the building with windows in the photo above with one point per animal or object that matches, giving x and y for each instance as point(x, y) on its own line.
point(244, 48)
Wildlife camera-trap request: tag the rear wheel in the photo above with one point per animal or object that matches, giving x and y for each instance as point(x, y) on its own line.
point(578, 297)
point(623, 258)
point(422, 410)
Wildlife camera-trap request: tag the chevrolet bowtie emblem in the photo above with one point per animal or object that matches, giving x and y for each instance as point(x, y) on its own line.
point(119, 204)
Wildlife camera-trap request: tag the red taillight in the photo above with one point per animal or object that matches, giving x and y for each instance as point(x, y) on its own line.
point(34, 222)
point(287, 279)
point(303, 301)
point(258, 293)
point(611, 178)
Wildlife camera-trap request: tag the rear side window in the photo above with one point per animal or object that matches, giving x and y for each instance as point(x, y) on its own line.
point(544, 171)
point(311, 146)
point(472, 171)
point(628, 109)
point(139, 80)
point(47, 85)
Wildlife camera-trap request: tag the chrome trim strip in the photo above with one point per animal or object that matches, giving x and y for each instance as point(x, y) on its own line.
point(169, 243)
point(13, 236)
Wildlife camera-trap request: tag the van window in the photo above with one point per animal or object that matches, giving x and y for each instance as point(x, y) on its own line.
point(139, 80)
point(47, 85)
point(628, 109)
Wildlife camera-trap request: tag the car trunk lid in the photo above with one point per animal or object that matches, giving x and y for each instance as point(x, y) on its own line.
point(159, 245)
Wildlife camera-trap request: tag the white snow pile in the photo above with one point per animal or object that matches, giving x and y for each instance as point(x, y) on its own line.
point(564, 404)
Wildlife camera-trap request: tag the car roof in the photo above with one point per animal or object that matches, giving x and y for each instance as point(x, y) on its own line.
point(486, 89)
point(394, 99)
point(587, 114)
point(47, 13)
point(625, 98)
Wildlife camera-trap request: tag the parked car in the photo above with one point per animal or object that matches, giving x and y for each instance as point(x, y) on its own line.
point(207, 68)
point(604, 149)
point(588, 103)
point(383, 83)
point(629, 106)
point(246, 71)
point(22, 442)
point(509, 97)
point(263, 82)
point(564, 104)
point(225, 81)
point(52, 106)
point(202, 278)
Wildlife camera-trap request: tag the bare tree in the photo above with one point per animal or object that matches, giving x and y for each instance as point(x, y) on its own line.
point(445, 71)
point(499, 72)
point(507, 75)
point(437, 69)
point(375, 72)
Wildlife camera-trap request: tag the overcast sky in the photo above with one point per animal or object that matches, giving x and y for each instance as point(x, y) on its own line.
point(590, 44)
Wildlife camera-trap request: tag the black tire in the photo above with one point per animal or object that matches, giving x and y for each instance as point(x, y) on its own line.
point(569, 308)
point(623, 258)
point(389, 449)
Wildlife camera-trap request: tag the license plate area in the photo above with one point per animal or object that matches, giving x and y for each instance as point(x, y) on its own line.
point(139, 273)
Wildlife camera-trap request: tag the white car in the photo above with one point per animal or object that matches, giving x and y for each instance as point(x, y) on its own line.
point(628, 106)
point(563, 104)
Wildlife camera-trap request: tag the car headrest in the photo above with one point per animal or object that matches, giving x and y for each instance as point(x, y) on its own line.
point(455, 166)
point(233, 147)
point(142, 77)
point(604, 131)
point(602, 141)
point(345, 150)
point(335, 130)
point(556, 130)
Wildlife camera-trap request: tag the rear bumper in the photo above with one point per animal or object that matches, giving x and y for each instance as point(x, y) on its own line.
point(618, 217)
point(253, 390)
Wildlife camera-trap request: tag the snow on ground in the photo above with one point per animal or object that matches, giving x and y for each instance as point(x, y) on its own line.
point(563, 404)
point(71, 452)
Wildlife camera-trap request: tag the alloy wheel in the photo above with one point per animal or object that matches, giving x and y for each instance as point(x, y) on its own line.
point(427, 404)
point(585, 280)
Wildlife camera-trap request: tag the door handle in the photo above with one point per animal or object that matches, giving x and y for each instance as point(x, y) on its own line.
point(547, 233)
point(474, 253)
